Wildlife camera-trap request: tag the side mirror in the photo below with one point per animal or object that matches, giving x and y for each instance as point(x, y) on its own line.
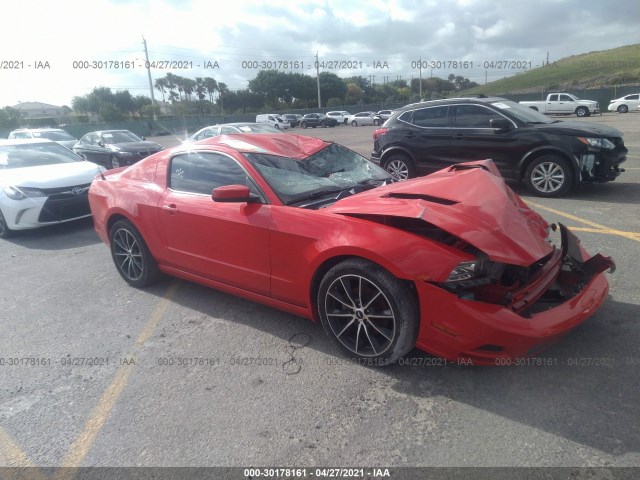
point(100, 143)
point(500, 123)
point(234, 194)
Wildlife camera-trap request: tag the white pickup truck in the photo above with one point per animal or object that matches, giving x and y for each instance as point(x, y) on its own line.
point(564, 104)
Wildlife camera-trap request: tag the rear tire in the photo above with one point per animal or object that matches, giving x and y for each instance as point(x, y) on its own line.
point(400, 167)
point(131, 256)
point(367, 312)
point(549, 176)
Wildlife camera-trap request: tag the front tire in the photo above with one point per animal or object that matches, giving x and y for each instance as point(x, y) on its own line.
point(623, 109)
point(370, 314)
point(354, 124)
point(132, 257)
point(549, 176)
point(303, 124)
point(376, 122)
point(400, 167)
point(582, 112)
point(5, 231)
point(114, 162)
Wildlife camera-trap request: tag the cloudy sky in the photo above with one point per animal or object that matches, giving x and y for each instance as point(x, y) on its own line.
point(380, 40)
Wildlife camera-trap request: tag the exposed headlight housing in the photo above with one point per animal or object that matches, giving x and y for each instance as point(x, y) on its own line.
point(20, 193)
point(599, 143)
point(465, 271)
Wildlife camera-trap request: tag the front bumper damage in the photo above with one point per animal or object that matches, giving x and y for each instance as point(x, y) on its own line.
point(518, 320)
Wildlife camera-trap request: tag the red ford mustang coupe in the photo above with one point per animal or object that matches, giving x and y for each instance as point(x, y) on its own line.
point(454, 263)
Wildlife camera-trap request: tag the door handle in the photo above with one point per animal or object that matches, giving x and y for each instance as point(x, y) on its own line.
point(170, 208)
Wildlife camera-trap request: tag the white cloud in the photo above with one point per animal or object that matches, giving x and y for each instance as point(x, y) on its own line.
point(397, 31)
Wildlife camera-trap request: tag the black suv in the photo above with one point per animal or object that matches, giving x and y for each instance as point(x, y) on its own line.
point(549, 155)
point(317, 119)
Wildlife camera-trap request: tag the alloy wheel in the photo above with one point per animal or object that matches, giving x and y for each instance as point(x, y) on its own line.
point(398, 169)
point(548, 177)
point(128, 255)
point(360, 315)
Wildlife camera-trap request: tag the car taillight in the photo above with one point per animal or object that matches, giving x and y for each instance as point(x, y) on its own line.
point(378, 132)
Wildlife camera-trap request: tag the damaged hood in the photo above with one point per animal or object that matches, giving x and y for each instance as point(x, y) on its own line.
point(470, 201)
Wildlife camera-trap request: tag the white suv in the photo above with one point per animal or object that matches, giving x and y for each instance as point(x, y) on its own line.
point(340, 115)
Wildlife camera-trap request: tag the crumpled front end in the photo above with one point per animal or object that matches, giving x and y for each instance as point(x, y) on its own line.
point(507, 311)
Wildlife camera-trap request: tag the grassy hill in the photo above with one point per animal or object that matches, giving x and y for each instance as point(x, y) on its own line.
point(618, 66)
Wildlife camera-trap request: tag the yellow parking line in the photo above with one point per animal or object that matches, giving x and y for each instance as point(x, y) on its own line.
point(19, 463)
point(81, 446)
point(597, 227)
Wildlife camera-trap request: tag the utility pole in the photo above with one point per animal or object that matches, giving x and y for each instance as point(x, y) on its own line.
point(318, 79)
point(153, 100)
point(420, 78)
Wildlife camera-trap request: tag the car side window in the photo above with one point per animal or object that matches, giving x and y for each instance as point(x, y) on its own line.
point(566, 98)
point(472, 116)
point(431, 117)
point(201, 172)
point(633, 97)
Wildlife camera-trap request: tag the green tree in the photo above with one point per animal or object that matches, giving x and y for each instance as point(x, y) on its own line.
point(210, 86)
point(10, 118)
point(331, 86)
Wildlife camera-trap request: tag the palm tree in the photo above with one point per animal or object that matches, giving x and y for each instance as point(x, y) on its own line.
point(200, 88)
point(211, 86)
point(222, 88)
point(161, 84)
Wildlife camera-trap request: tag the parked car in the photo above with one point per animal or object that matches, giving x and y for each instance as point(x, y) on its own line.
point(41, 183)
point(341, 116)
point(313, 228)
point(292, 118)
point(57, 135)
point(231, 129)
point(550, 156)
point(114, 148)
point(363, 118)
point(626, 103)
point(314, 120)
point(272, 120)
point(382, 116)
point(564, 104)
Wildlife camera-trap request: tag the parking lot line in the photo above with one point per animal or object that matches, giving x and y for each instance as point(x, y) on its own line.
point(81, 446)
point(11, 455)
point(596, 226)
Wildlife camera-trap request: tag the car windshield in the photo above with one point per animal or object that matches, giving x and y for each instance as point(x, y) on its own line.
point(55, 135)
point(522, 113)
point(35, 155)
point(329, 171)
point(122, 136)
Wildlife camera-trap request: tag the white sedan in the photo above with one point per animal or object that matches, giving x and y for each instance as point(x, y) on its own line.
point(626, 103)
point(362, 118)
point(42, 183)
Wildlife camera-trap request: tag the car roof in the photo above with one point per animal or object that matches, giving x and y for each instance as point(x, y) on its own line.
point(21, 141)
point(448, 101)
point(280, 144)
point(43, 129)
